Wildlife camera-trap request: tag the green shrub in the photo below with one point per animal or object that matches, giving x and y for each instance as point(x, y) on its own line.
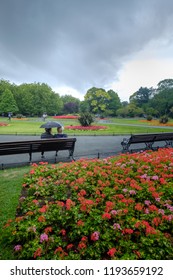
point(86, 119)
point(163, 119)
point(149, 118)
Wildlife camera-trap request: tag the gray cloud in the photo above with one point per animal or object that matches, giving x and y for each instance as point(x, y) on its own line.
point(77, 43)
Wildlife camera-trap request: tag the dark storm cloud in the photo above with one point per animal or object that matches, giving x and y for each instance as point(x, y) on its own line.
point(76, 43)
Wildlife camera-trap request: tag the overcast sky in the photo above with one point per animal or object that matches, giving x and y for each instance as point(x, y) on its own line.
point(73, 45)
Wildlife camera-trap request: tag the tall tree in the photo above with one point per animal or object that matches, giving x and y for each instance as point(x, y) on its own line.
point(141, 97)
point(114, 103)
point(165, 84)
point(98, 100)
point(8, 103)
point(70, 104)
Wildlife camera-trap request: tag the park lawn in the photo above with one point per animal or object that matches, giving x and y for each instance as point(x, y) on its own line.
point(116, 126)
point(11, 186)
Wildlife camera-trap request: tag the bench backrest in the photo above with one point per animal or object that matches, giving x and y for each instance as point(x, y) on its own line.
point(37, 146)
point(144, 138)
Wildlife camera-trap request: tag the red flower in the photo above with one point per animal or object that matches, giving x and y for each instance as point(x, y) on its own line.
point(106, 216)
point(80, 223)
point(153, 208)
point(41, 219)
point(150, 230)
point(138, 207)
point(127, 231)
point(47, 230)
point(112, 252)
point(84, 238)
point(156, 221)
point(37, 253)
point(162, 181)
point(69, 203)
point(43, 209)
point(109, 206)
point(82, 192)
point(69, 246)
point(63, 232)
point(81, 245)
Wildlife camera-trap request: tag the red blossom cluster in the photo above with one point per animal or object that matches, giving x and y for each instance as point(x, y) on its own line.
point(66, 117)
point(91, 127)
point(3, 124)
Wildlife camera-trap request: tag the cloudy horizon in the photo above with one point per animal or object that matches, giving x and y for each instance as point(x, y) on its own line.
point(75, 45)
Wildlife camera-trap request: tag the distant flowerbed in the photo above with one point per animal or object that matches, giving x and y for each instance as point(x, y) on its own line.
point(157, 123)
point(3, 124)
point(66, 117)
point(115, 208)
point(92, 127)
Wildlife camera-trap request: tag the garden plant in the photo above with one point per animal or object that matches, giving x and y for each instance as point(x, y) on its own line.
point(115, 208)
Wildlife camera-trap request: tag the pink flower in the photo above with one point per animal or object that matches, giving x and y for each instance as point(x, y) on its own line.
point(43, 237)
point(147, 202)
point(116, 226)
point(155, 177)
point(114, 212)
point(95, 236)
point(132, 192)
point(18, 248)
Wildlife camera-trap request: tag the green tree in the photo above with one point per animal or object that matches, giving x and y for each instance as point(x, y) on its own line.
point(98, 100)
point(141, 97)
point(8, 103)
point(84, 106)
point(165, 84)
point(70, 104)
point(114, 103)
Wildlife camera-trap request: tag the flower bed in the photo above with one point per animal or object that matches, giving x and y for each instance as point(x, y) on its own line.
point(66, 117)
point(156, 123)
point(3, 124)
point(79, 127)
point(116, 208)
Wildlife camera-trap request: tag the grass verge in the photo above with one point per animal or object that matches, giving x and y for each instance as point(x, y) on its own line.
point(11, 185)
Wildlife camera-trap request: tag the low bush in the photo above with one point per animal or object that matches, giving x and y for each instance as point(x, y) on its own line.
point(86, 119)
point(115, 208)
point(163, 119)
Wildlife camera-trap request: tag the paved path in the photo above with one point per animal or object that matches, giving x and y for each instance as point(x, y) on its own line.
point(86, 146)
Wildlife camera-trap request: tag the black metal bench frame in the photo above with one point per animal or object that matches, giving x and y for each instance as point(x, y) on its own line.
point(148, 140)
point(35, 146)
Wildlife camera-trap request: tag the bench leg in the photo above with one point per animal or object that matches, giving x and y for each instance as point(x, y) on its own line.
point(149, 145)
point(71, 154)
point(42, 154)
point(169, 143)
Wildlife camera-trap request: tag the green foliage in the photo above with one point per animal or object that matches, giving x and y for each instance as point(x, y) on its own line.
point(86, 119)
point(131, 110)
point(97, 99)
point(70, 104)
point(8, 103)
point(141, 96)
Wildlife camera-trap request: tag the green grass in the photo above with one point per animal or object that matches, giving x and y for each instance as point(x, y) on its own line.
point(10, 189)
point(116, 127)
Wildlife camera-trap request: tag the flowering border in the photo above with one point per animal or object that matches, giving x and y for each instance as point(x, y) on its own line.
point(116, 208)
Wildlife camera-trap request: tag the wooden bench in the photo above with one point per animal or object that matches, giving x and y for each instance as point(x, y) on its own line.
point(35, 146)
point(148, 140)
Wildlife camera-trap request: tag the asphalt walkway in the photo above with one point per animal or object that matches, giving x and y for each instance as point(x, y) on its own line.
point(85, 147)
